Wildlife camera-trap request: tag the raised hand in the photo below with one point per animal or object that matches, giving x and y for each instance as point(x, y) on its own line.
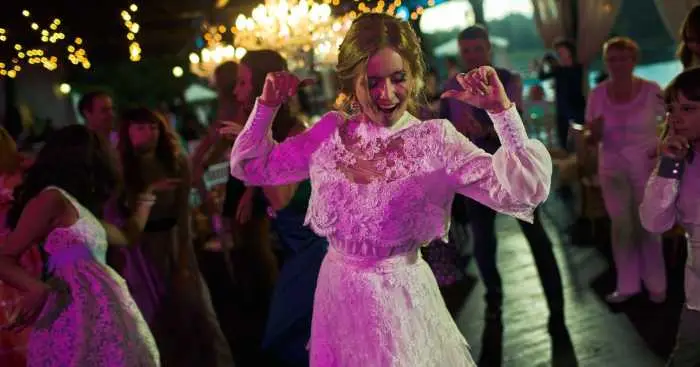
point(230, 129)
point(482, 89)
point(280, 86)
point(675, 146)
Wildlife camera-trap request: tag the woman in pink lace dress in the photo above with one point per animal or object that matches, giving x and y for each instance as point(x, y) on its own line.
point(82, 313)
point(382, 186)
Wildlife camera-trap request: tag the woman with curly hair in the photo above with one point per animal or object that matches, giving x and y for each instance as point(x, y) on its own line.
point(382, 185)
point(81, 313)
point(162, 270)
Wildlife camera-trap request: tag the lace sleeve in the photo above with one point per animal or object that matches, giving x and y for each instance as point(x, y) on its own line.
point(260, 161)
point(513, 181)
point(658, 209)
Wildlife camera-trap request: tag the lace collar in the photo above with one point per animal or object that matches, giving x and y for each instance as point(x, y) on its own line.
point(366, 130)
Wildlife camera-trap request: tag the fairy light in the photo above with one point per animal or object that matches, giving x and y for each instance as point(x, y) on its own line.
point(388, 7)
point(132, 27)
point(36, 56)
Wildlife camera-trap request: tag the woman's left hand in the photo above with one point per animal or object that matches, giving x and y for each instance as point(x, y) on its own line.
point(482, 89)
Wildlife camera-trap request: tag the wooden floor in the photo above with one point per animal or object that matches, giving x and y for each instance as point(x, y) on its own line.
point(637, 334)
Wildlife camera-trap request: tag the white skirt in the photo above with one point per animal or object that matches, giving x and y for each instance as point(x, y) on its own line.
point(382, 313)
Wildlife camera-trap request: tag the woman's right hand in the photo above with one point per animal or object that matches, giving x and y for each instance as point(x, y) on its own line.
point(675, 147)
point(280, 86)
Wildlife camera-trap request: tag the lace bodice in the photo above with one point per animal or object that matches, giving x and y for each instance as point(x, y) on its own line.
point(86, 239)
point(379, 191)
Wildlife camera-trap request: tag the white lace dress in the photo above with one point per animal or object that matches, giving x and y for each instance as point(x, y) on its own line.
point(89, 318)
point(378, 194)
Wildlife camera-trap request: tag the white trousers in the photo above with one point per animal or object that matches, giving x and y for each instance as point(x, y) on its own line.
point(638, 254)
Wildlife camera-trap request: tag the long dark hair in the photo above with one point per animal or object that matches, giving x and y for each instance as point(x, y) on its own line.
point(78, 161)
point(168, 151)
point(261, 63)
point(690, 28)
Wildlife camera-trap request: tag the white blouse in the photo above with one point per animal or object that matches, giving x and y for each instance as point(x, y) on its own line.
point(379, 191)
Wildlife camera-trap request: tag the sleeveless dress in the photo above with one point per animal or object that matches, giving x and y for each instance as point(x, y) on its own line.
point(89, 318)
point(377, 302)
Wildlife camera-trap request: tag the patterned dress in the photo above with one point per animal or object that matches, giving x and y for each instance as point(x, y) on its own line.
point(89, 318)
point(378, 195)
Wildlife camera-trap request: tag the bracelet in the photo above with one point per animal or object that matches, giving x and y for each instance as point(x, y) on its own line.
point(269, 104)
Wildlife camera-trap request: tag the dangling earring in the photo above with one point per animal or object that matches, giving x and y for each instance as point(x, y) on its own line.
point(354, 107)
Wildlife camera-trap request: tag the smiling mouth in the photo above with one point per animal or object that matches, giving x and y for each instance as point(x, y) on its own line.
point(387, 109)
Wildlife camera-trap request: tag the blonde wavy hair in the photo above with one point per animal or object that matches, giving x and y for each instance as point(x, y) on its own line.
point(368, 34)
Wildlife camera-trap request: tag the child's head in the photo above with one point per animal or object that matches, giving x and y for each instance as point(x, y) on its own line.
point(682, 99)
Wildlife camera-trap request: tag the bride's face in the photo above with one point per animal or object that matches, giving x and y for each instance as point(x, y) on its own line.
point(384, 93)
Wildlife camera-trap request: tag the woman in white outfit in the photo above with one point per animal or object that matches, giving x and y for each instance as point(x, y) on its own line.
point(626, 111)
point(382, 186)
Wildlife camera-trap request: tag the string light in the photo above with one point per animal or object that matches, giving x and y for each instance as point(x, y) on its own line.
point(391, 8)
point(132, 29)
point(51, 34)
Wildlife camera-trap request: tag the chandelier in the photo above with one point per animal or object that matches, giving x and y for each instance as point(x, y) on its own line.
point(204, 63)
point(304, 32)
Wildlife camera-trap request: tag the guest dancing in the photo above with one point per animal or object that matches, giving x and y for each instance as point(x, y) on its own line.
point(477, 125)
point(83, 314)
point(382, 186)
point(289, 321)
point(161, 270)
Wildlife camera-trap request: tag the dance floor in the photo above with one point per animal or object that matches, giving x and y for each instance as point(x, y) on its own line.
point(636, 334)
